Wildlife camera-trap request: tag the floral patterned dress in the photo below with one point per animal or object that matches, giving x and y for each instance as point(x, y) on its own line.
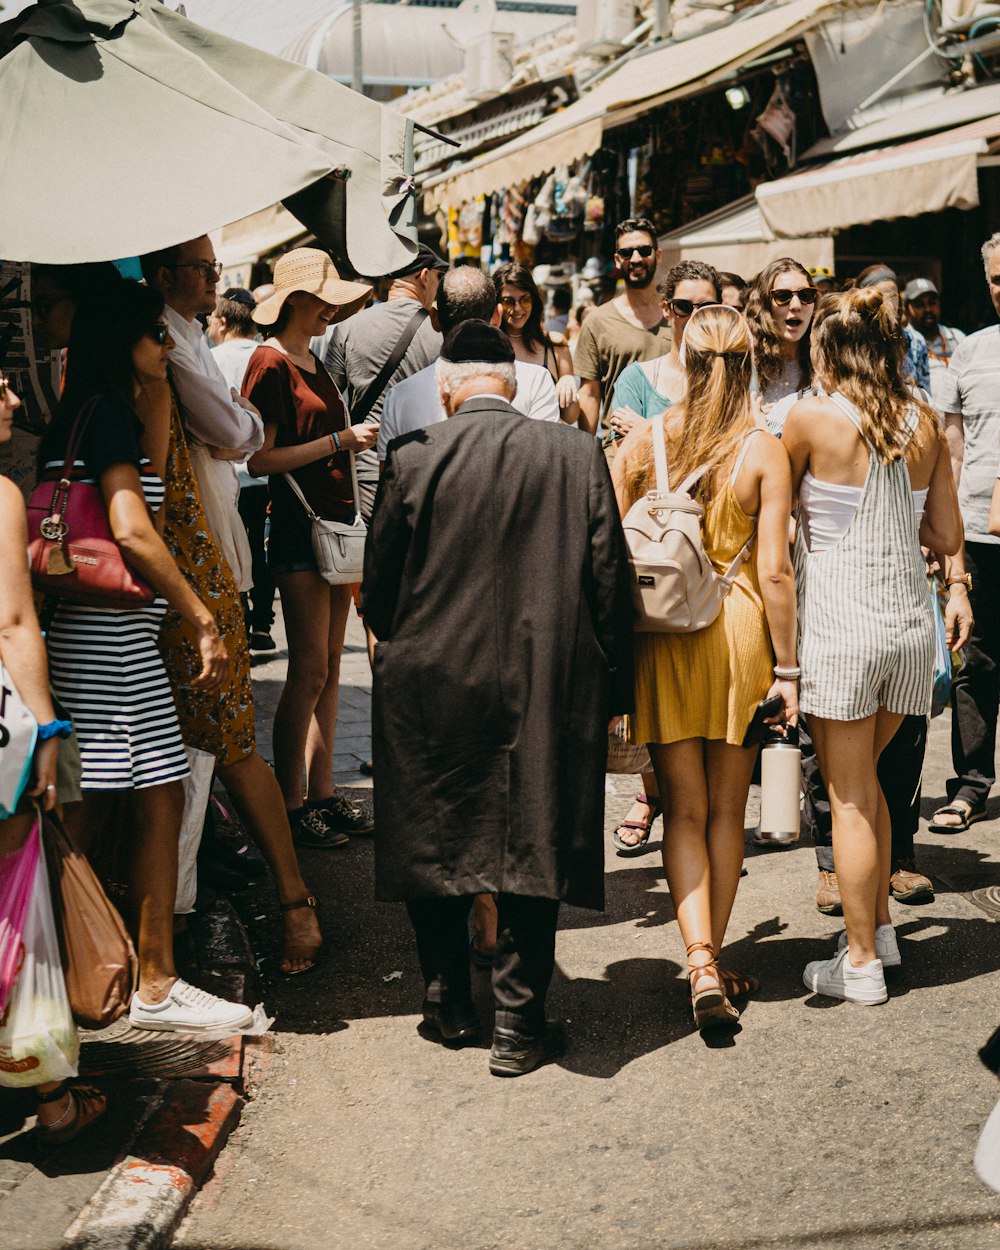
point(221, 722)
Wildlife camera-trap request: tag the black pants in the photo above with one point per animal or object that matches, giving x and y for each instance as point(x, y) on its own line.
point(899, 770)
point(522, 967)
point(253, 512)
point(975, 695)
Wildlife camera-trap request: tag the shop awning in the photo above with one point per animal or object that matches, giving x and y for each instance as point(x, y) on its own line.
point(944, 111)
point(925, 176)
point(736, 239)
point(667, 73)
point(126, 128)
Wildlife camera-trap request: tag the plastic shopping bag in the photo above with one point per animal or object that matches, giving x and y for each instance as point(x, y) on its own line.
point(38, 1040)
point(17, 873)
point(941, 690)
point(18, 731)
point(625, 756)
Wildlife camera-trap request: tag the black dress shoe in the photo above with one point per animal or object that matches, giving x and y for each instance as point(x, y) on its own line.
point(456, 1022)
point(515, 1053)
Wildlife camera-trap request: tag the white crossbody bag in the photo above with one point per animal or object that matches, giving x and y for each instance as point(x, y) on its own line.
point(339, 546)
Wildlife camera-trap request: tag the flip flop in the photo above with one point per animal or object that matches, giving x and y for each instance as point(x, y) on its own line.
point(967, 814)
point(638, 848)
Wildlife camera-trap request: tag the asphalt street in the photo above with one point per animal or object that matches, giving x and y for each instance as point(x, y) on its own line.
point(819, 1124)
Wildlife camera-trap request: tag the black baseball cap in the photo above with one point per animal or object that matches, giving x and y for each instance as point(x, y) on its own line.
point(239, 295)
point(424, 258)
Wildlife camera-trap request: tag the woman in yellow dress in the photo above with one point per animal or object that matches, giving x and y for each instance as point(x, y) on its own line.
point(695, 694)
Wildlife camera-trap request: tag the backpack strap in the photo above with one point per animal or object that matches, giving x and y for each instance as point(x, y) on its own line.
point(661, 466)
point(742, 455)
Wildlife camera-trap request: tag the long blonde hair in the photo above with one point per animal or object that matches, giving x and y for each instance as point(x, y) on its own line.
point(716, 415)
point(859, 352)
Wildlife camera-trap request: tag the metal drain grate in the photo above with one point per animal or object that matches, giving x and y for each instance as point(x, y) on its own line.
point(988, 899)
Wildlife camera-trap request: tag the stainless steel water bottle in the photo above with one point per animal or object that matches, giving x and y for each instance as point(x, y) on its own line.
point(780, 786)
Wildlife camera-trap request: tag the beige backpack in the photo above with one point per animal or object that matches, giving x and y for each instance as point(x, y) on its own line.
point(676, 588)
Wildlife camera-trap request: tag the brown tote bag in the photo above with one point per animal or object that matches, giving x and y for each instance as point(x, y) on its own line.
point(97, 952)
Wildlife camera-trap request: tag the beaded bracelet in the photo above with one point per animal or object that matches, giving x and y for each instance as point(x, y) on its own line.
point(787, 674)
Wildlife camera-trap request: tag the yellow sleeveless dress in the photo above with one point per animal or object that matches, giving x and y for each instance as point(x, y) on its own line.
point(707, 684)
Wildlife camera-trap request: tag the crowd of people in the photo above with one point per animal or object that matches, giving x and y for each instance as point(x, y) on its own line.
point(837, 443)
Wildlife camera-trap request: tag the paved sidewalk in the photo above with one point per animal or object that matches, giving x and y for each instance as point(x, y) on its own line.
point(820, 1125)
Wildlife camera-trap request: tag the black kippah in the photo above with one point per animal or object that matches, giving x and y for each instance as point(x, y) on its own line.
point(479, 341)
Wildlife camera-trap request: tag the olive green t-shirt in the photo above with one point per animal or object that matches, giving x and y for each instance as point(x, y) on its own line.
point(608, 343)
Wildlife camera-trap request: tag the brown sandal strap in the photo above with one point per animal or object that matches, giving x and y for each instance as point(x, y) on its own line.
point(310, 900)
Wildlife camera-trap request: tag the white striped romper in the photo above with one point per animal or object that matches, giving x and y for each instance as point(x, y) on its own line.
point(866, 630)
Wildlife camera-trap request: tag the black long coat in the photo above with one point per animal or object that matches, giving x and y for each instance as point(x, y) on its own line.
point(496, 578)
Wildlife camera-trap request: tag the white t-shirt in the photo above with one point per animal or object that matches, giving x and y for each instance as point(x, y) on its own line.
point(414, 403)
point(232, 357)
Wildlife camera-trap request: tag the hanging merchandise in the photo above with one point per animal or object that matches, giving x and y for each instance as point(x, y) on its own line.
point(512, 217)
point(465, 229)
point(774, 129)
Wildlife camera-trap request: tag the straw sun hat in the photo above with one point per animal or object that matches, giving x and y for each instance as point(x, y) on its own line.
point(308, 269)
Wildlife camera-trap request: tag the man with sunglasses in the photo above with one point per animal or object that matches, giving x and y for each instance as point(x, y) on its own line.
point(630, 327)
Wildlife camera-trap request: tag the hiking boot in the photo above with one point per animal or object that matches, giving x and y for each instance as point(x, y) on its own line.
point(828, 894)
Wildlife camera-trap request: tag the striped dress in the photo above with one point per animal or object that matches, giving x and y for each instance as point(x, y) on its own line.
point(106, 669)
point(866, 627)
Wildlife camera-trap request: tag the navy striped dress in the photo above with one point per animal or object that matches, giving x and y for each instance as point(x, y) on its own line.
point(104, 664)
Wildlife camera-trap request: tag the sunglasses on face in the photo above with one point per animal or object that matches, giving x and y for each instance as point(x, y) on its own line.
point(515, 301)
point(159, 333)
point(207, 268)
point(782, 297)
point(645, 250)
point(685, 307)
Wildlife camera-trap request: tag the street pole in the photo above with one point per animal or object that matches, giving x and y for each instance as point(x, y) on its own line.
point(357, 77)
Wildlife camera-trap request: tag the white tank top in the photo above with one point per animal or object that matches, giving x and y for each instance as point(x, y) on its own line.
point(831, 507)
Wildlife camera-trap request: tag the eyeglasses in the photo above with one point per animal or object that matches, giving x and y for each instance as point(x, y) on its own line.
point(515, 301)
point(685, 307)
point(159, 332)
point(42, 305)
point(207, 268)
point(645, 250)
point(781, 297)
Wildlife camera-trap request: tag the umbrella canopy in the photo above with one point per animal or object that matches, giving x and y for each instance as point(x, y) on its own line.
point(126, 128)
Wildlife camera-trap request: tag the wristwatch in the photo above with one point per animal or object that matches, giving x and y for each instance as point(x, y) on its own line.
point(962, 579)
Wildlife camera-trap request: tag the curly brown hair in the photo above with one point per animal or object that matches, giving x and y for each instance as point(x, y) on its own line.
point(766, 339)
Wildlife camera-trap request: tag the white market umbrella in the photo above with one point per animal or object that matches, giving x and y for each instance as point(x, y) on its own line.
point(125, 128)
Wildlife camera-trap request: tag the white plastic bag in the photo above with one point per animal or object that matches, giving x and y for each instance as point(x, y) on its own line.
point(38, 1039)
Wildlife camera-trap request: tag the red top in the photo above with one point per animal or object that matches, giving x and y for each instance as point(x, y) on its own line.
point(304, 406)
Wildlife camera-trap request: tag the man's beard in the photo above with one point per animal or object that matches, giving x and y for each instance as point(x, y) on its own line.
point(639, 283)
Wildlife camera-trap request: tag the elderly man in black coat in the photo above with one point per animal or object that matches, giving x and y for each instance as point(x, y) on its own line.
point(497, 583)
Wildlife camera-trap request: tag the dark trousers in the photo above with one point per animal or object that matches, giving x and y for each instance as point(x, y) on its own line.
point(523, 964)
point(253, 512)
point(975, 693)
point(899, 770)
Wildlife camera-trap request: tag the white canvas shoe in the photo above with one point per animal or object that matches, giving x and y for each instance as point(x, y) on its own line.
point(838, 978)
point(886, 946)
point(189, 1010)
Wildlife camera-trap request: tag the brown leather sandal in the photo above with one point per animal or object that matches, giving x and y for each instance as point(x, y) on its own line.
point(738, 984)
point(294, 953)
point(710, 1006)
point(86, 1104)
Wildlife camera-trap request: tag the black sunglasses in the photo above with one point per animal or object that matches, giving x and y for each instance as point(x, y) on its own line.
point(645, 250)
point(685, 307)
point(782, 297)
point(159, 332)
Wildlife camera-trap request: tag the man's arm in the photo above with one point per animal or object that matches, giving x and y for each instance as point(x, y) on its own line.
point(589, 399)
point(954, 433)
point(211, 413)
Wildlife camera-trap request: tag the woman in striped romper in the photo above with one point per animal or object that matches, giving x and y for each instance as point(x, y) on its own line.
point(874, 480)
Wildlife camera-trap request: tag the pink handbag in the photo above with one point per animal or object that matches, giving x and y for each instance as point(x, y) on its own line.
point(71, 549)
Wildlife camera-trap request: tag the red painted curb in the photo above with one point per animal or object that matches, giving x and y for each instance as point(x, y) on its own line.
point(190, 1128)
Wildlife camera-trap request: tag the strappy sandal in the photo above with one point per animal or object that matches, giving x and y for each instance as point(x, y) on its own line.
point(738, 984)
point(294, 953)
point(645, 827)
point(966, 813)
point(86, 1104)
point(710, 1007)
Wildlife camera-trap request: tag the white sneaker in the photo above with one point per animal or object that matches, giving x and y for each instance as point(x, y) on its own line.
point(189, 1010)
point(838, 978)
point(886, 946)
